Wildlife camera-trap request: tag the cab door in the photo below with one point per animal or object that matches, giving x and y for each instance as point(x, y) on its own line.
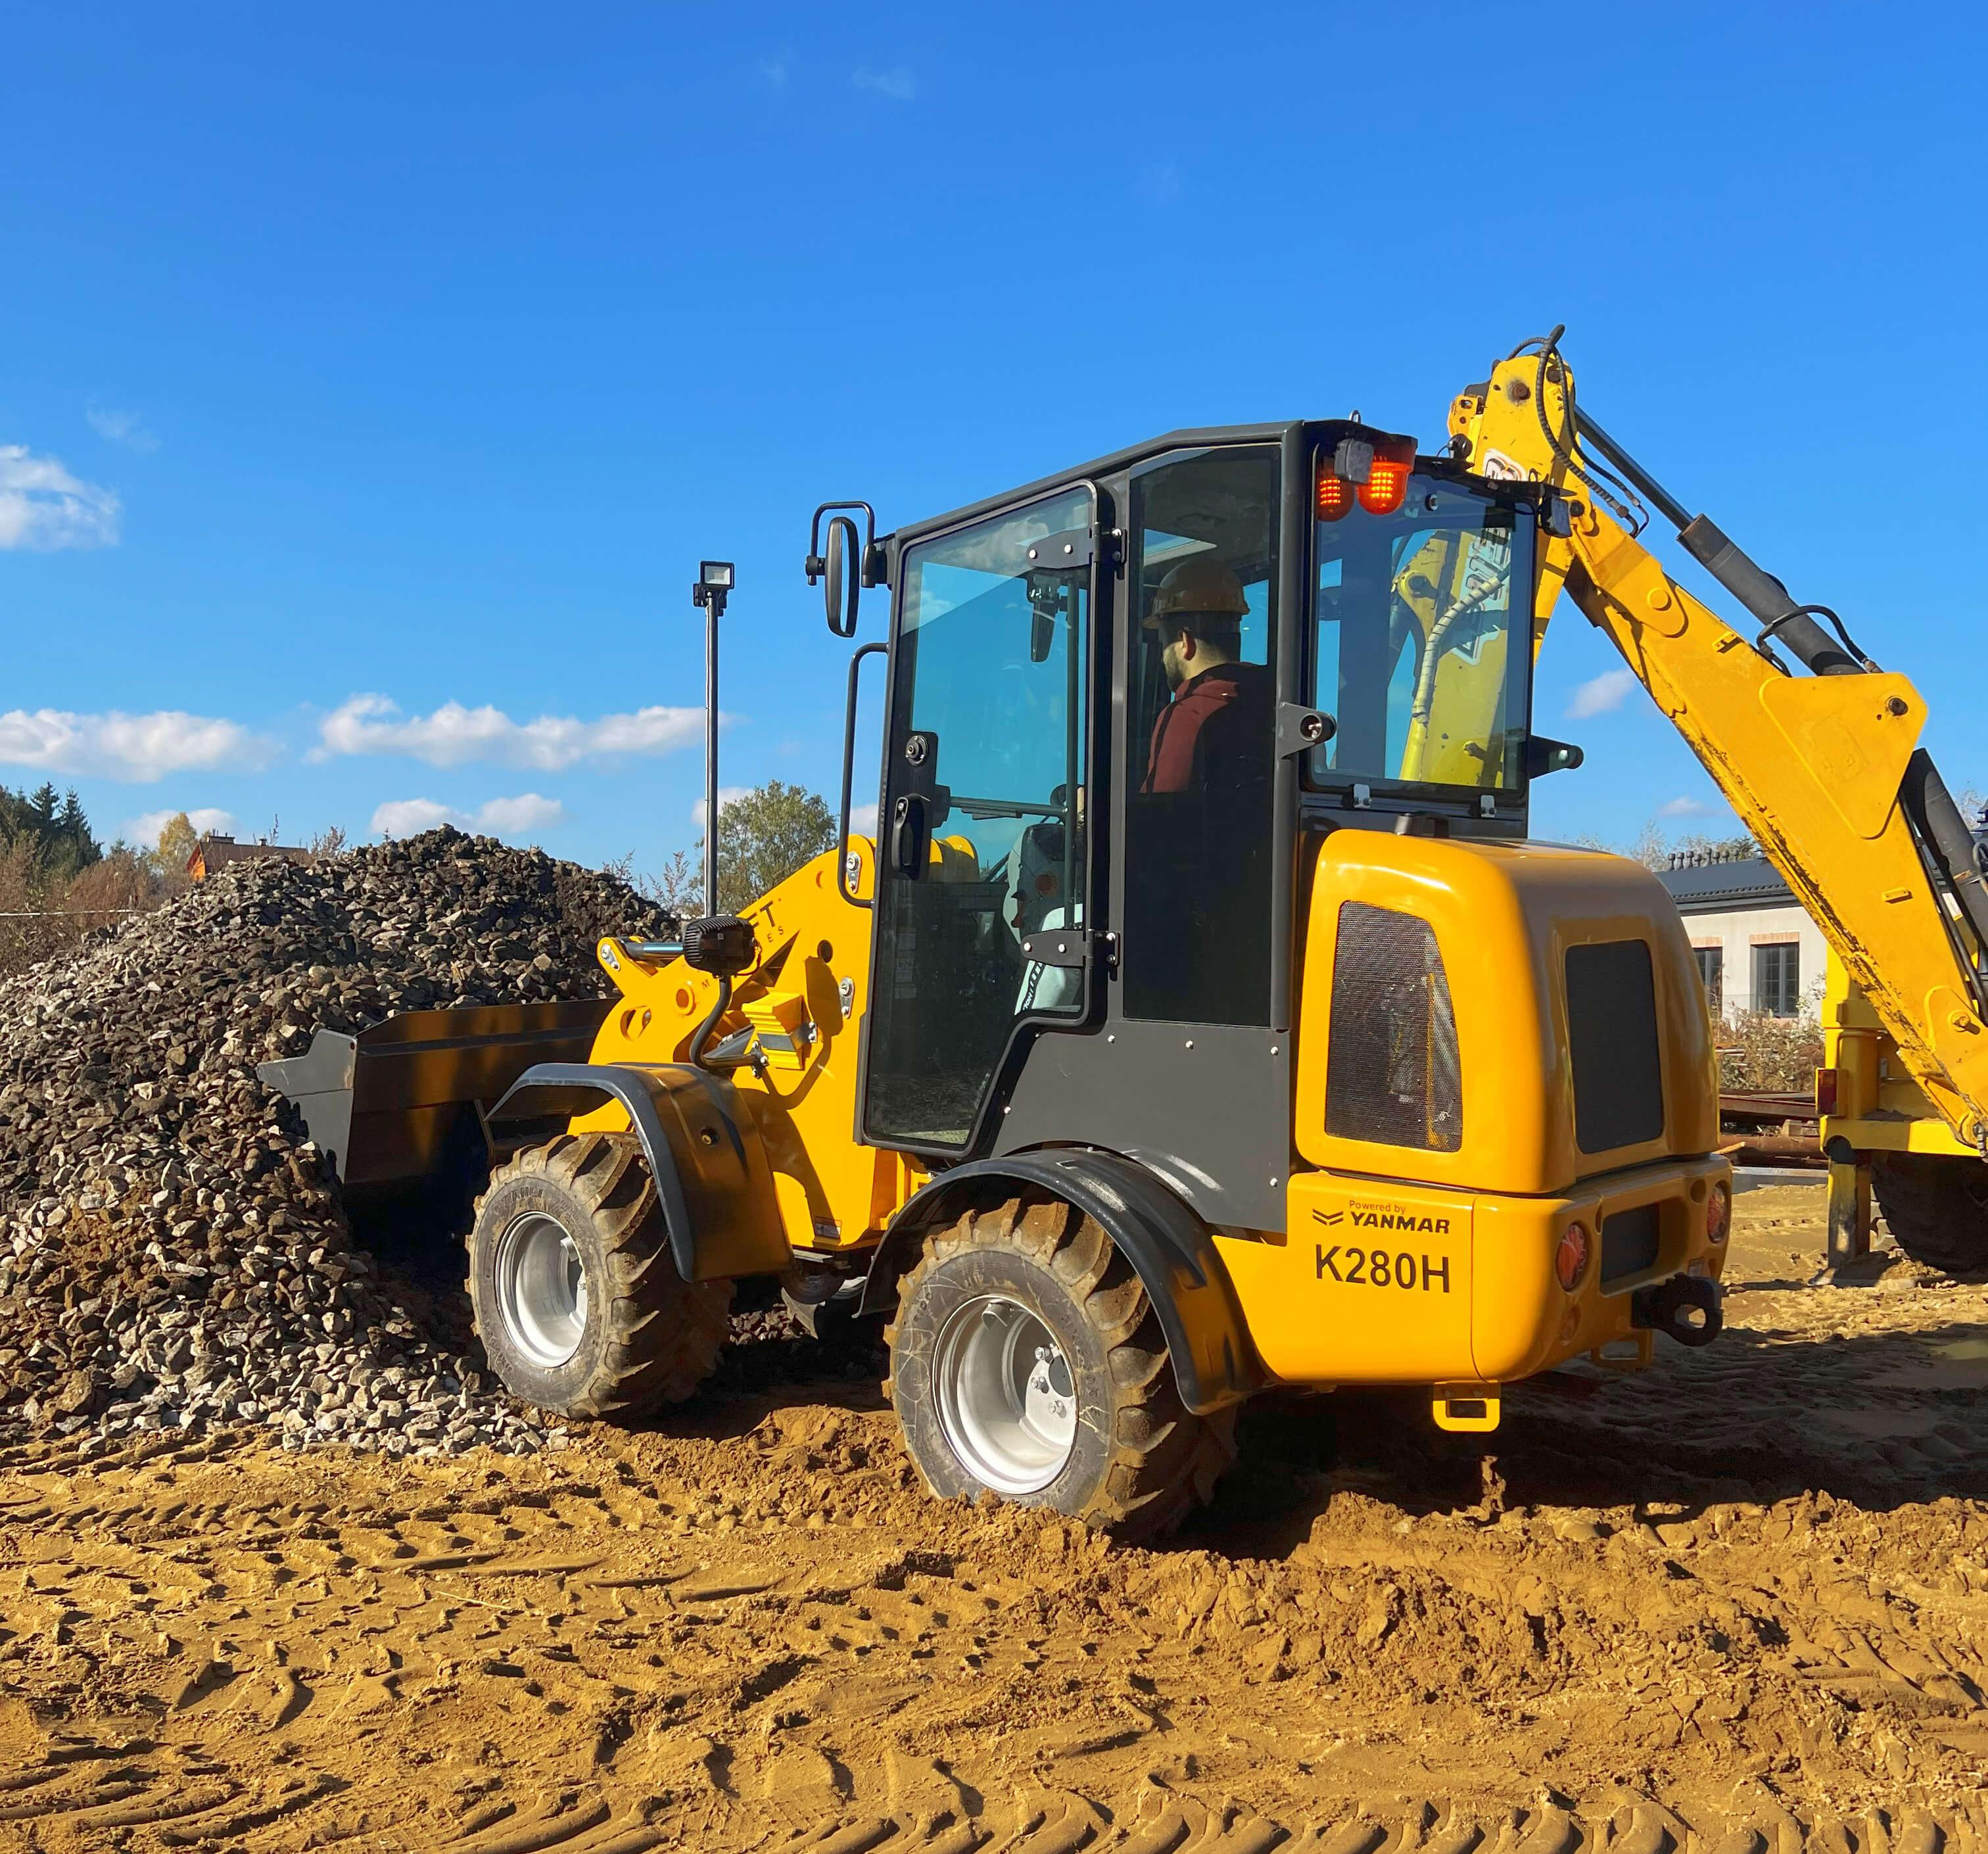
point(984, 865)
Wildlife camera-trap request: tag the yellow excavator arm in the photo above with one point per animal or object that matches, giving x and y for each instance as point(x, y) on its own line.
point(1825, 770)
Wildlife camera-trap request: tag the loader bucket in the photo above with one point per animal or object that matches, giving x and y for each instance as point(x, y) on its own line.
point(399, 1108)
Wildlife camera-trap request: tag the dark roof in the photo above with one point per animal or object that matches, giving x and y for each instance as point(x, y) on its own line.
point(1704, 888)
point(214, 851)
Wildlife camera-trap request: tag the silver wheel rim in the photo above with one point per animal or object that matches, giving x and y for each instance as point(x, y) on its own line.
point(1006, 1396)
point(541, 1289)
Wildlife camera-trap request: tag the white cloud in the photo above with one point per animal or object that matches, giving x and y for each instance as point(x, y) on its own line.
point(43, 507)
point(454, 736)
point(135, 748)
point(862, 820)
point(524, 816)
point(521, 815)
point(1601, 694)
point(775, 71)
point(727, 795)
point(1685, 807)
point(410, 817)
point(144, 830)
point(127, 428)
point(897, 83)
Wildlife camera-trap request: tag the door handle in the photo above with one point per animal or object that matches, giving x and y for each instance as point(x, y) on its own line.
point(911, 836)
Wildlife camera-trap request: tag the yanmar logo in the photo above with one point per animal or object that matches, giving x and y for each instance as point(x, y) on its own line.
point(1367, 1266)
point(1400, 1219)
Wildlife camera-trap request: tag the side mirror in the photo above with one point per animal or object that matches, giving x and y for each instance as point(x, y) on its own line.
point(851, 562)
point(839, 590)
point(1544, 756)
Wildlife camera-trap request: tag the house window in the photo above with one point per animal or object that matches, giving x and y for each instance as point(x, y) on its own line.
point(1712, 970)
point(1778, 978)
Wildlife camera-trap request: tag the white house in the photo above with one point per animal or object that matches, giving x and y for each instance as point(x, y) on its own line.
point(1757, 949)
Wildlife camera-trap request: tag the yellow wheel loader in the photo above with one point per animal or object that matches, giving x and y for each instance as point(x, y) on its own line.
point(1199, 1018)
point(1827, 770)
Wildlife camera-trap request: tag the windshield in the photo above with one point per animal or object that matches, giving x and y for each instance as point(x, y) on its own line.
point(1414, 659)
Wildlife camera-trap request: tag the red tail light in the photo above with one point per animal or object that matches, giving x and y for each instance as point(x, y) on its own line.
point(1717, 1214)
point(1386, 487)
point(1825, 1091)
point(1571, 1259)
point(1335, 496)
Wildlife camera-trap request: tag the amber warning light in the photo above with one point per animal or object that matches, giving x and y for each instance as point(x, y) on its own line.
point(1375, 473)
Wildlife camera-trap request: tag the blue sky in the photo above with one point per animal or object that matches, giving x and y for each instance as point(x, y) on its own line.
point(374, 377)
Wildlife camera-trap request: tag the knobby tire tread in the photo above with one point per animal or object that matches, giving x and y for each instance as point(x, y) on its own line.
point(1164, 1461)
point(664, 1333)
point(1936, 1208)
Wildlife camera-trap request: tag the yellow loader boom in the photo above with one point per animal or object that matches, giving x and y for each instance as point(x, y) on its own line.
point(1825, 770)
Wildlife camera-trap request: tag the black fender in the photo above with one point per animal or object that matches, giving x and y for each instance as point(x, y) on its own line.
point(713, 1177)
point(1215, 1363)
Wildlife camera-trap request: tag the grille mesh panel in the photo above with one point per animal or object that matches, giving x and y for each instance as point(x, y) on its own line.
point(1392, 1073)
point(1611, 1024)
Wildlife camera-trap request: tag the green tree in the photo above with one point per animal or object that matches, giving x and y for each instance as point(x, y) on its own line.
point(52, 830)
point(763, 838)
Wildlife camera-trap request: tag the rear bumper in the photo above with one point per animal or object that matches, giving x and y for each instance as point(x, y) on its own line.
point(1379, 1282)
point(1523, 1322)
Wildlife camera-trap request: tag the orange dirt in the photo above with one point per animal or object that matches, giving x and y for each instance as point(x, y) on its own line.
point(1739, 1603)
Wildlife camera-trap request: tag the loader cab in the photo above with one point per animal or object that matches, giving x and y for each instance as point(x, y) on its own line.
point(1089, 821)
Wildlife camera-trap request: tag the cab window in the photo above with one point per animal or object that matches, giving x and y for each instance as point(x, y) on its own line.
point(1200, 743)
point(1417, 615)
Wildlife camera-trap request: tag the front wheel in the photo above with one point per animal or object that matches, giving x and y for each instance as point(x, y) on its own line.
point(1026, 1361)
point(578, 1301)
point(1936, 1205)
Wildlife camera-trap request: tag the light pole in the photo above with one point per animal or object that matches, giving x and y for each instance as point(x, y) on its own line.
point(714, 579)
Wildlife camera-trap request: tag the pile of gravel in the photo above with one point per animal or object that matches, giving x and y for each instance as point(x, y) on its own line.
point(172, 1250)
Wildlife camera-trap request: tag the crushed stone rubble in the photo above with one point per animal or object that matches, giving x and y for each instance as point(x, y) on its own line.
point(173, 1253)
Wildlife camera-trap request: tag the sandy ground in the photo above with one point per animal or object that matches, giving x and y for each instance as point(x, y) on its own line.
point(1739, 1603)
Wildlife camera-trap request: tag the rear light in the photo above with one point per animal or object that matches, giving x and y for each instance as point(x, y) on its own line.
point(1825, 1091)
point(1571, 1258)
point(1386, 487)
point(1372, 470)
point(1717, 1214)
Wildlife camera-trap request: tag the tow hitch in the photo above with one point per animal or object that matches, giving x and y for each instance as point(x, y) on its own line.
point(1685, 1308)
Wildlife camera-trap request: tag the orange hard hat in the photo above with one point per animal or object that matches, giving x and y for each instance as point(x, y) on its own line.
point(1199, 588)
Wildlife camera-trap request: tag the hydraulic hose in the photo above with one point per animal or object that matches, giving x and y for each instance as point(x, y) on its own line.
point(702, 1035)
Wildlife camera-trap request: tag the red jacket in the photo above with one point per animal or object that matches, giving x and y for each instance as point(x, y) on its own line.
point(1216, 731)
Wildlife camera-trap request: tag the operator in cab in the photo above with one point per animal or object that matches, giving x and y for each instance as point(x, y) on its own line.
point(1213, 730)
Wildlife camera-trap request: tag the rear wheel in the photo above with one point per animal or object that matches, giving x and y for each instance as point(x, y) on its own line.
point(578, 1300)
point(1026, 1361)
point(1936, 1205)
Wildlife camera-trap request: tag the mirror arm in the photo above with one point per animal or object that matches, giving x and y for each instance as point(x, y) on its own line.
point(844, 886)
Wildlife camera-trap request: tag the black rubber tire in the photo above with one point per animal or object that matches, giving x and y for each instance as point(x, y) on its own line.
point(1936, 1205)
point(1141, 1463)
point(650, 1337)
